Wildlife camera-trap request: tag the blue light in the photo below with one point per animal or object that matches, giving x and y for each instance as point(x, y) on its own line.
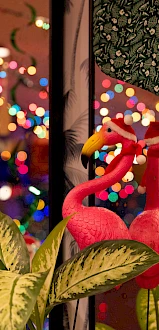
point(38, 216)
point(111, 94)
point(127, 112)
point(3, 74)
point(17, 107)
point(102, 155)
point(47, 113)
point(43, 82)
point(38, 120)
point(31, 121)
point(46, 210)
point(29, 199)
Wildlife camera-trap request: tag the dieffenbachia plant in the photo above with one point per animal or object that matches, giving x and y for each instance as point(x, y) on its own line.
point(27, 295)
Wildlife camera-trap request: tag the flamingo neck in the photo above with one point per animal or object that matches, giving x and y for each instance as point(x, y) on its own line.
point(152, 179)
point(119, 167)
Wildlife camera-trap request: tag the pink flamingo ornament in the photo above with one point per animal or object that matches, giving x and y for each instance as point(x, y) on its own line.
point(93, 224)
point(145, 227)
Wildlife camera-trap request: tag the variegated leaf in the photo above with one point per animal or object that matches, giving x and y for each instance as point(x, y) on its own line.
point(141, 308)
point(99, 268)
point(18, 294)
point(101, 326)
point(44, 259)
point(13, 250)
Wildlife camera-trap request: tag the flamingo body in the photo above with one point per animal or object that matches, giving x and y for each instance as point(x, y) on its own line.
point(95, 224)
point(145, 227)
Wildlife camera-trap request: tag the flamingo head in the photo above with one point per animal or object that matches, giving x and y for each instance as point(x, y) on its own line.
point(110, 134)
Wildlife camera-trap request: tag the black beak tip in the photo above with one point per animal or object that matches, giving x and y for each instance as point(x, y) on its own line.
point(84, 160)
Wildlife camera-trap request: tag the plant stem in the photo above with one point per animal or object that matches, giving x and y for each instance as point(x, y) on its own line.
point(75, 319)
point(148, 307)
point(30, 325)
point(37, 316)
point(156, 308)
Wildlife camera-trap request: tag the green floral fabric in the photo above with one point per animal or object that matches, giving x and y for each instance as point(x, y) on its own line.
point(126, 41)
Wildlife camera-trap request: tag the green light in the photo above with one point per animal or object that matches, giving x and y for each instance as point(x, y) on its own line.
point(46, 26)
point(26, 225)
point(118, 88)
point(42, 135)
point(113, 197)
point(96, 155)
point(22, 229)
point(12, 111)
point(34, 190)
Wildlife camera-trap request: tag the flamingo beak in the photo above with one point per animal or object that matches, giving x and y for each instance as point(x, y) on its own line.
point(95, 142)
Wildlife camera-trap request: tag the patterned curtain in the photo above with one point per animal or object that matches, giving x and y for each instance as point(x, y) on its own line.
point(76, 64)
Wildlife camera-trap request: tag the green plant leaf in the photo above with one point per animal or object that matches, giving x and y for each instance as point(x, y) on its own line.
point(44, 259)
point(99, 268)
point(101, 326)
point(141, 308)
point(13, 250)
point(18, 294)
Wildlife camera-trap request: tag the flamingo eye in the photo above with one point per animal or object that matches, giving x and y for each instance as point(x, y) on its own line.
point(109, 130)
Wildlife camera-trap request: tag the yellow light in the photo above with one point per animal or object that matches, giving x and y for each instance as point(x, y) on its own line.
point(136, 117)
point(21, 121)
point(39, 23)
point(20, 114)
point(47, 135)
point(38, 130)
point(12, 127)
point(119, 145)
point(104, 97)
point(1, 101)
point(130, 92)
point(157, 106)
point(104, 111)
point(145, 152)
point(41, 204)
point(116, 187)
point(105, 119)
point(40, 111)
point(152, 118)
point(31, 70)
point(17, 222)
point(5, 155)
point(128, 177)
point(1, 61)
point(145, 122)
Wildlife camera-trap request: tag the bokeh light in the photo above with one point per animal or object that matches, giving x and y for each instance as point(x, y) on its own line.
point(145, 122)
point(40, 111)
point(1, 101)
point(32, 107)
point(104, 97)
point(99, 171)
point(22, 156)
point(43, 95)
point(41, 204)
point(110, 94)
point(12, 127)
point(113, 197)
point(22, 70)
point(5, 192)
point(23, 169)
point(5, 155)
point(105, 119)
point(96, 105)
point(141, 106)
point(129, 92)
point(118, 88)
point(13, 65)
point(43, 82)
point(136, 117)
point(106, 83)
point(104, 111)
point(31, 70)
